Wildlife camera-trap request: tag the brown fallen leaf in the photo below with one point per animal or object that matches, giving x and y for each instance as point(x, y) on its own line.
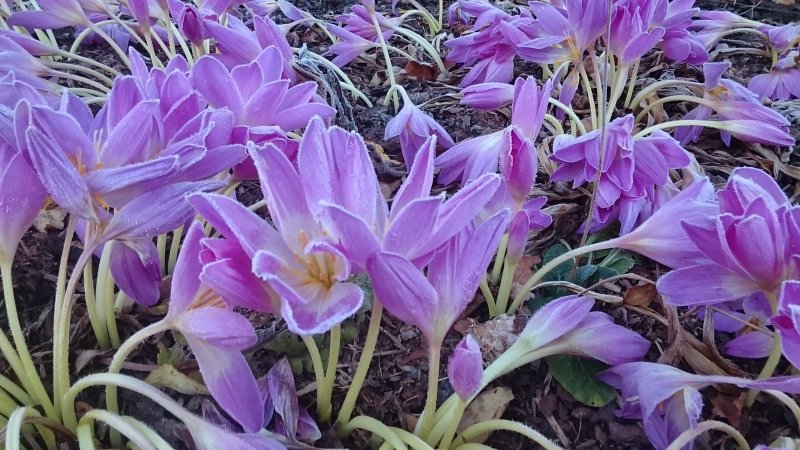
point(640, 295)
point(729, 407)
point(489, 405)
point(421, 71)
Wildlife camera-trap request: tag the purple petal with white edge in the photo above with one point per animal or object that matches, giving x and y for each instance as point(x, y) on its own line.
point(106, 181)
point(420, 178)
point(218, 327)
point(530, 105)
point(353, 236)
point(156, 212)
point(465, 369)
point(207, 75)
point(186, 277)
point(598, 337)
point(554, 320)
point(487, 96)
point(136, 269)
point(238, 223)
point(403, 290)
point(413, 228)
point(283, 190)
point(62, 180)
point(705, 284)
point(230, 382)
point(21, 197)
point(750, 345)
point(282, 393)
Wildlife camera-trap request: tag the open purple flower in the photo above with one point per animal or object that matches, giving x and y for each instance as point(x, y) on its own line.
point(216, 334)
point(349, 47)
point(743, 245)
point(632, 170)
point(668, 401)
point(631, 33)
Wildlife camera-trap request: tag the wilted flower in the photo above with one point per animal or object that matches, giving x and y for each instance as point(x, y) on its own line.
point(668, 401)
point(414, 127)
point(744, 245)
point(283, 413)
point(633, 168)
point(783, 80)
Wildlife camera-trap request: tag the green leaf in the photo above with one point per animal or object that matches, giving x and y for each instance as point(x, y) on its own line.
point(561, 272)
point(619, 260)
point(577, 376)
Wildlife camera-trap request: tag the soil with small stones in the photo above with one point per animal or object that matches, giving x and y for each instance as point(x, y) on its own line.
point(395, 387)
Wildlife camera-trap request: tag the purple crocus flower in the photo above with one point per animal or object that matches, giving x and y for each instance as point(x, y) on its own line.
point(414, 127)
point(216, 334)
point(564, 34)
point(631, 34)
point(568, 326)
point(632, 170)
point(465, 369)
point(21, 198)
point(349, 47)
point(52, 14)
point(432, 302)
point(743, 244)
point(190, 21)
point(783, 80)
point(359, 22)
point(781, 37)
point(668, 401)
point(719, 91)
point(487, 96)
point(512, 149)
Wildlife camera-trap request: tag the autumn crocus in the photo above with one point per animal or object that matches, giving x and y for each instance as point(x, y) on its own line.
point(787, 321)
point(782, 81)
point(414, 127)
point(22, 196)
point(742, 244)
point(668, 401)
point(632, 169)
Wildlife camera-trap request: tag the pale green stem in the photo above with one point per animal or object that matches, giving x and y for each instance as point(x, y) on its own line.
point(85, 437)
point(17, 392)
point(674, 98)
point(388, 60)
point(788, 401)
point(426, 16)
point(719, 125)
point(164, 47)
point(452, 426)
point(411, 440)
point(487, 294)
point(151, 434)
point(401, 53)
point(14, 426)
point(422, 43)
point(88, 61)
point(319, 368)
point(364, 361)
point(111, 314)
point(587, 86)
point(554, 123)
point(161, 246)
point(39, 392)
point(174, 249)
point(80, 79)
point(61, 342)
point(661, 85)
point(688, 436)
point(60, 291)
point(8, 352)
point(375, 427)
point(499, 259)
point(7, 404)
point(66, 66)
point(116, 423)
point(504, 291)
point(325, 391)
point(769, 367)
point(98, 325)
point(474, 446)
point(89, 96)
point(429, 413)
point(488, 426)
point(760, 34)
point(121, 53)
point(632, 84)
point(182, 42)
point(118, 360)
point(545, 269)
point(103, 298)
point(568, 110)
point(442, 416)
point(617, 89)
